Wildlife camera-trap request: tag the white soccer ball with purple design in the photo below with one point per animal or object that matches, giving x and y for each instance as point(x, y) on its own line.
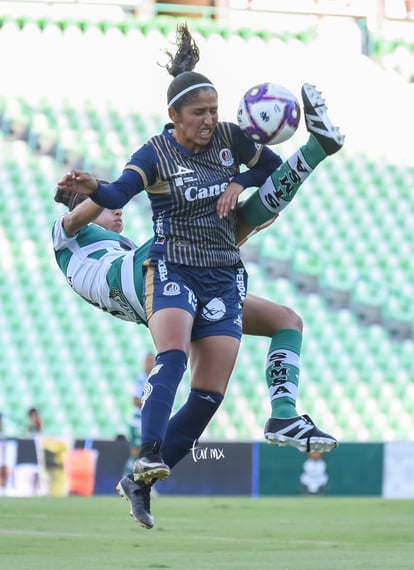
point(268, 113)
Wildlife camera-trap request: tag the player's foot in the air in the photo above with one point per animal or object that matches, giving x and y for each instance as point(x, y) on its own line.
point(138, 495)
point(150, 464)
point(299, 432)
point(318, 122)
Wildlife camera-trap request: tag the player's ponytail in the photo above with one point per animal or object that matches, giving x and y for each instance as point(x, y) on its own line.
point(180, 66)
point(187, 55)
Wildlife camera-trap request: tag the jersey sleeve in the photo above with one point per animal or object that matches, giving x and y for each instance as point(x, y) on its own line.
point(60, 238)
point(139, 172)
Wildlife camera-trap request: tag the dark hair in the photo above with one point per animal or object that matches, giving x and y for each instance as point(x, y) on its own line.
point(72, 199)
point(181, 67)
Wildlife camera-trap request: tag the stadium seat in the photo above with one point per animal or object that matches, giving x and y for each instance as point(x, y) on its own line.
point(341, 256)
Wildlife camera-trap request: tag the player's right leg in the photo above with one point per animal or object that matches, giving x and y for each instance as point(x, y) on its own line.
point(170, 321)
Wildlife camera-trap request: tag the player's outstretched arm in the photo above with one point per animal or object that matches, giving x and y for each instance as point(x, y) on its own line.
point(81, 216)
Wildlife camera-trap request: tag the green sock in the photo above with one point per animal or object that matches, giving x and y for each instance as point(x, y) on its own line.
point(281, 187)
point(312, 152)
point(282, 372)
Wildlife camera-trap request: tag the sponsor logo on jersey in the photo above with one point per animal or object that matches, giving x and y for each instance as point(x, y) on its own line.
point(193, 193)
point(171, 288)
point(241, 287)
point(182, 170)
point(182, 176)
point(162, 270)
point(214, 310)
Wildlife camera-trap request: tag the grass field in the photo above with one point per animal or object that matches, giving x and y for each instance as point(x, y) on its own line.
point(94, 533)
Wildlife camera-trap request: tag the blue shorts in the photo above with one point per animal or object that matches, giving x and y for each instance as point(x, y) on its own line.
point(213, 295)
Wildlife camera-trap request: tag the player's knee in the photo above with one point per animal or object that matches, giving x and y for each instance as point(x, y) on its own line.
point(290, 320)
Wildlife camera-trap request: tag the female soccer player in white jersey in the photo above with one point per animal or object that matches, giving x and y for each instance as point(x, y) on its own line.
point(194, 282)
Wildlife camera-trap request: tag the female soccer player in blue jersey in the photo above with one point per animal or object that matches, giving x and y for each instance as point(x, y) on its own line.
point(194, 283)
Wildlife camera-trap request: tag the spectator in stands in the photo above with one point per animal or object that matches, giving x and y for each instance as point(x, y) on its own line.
point(193, 247)
point(34, 423)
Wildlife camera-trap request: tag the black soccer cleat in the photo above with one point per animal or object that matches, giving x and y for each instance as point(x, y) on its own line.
point(299, 432)
point(318, 122)
point(139, 498)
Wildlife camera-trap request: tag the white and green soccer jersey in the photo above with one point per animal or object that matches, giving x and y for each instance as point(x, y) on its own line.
point(104, 268)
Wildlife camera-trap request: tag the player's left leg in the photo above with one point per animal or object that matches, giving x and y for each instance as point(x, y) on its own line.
point(138, 496)
point(281, 187)
point(211, 363)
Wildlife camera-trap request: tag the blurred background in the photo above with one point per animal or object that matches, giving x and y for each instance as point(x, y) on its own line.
point(81, 86)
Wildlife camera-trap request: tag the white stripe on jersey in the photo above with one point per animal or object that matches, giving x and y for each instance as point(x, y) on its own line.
point(88, 276)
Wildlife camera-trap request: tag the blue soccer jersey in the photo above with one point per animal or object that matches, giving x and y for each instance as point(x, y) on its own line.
point(183, 188)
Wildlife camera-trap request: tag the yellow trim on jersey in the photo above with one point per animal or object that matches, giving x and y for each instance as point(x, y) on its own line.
point(149, 288)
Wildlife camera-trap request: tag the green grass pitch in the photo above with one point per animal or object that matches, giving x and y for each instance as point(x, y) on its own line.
point(220, 533)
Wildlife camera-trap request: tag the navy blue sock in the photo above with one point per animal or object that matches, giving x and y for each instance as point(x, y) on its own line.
point(159, 394)
point(187, 425)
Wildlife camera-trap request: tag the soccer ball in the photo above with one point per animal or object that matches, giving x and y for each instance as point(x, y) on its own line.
point(268, 113)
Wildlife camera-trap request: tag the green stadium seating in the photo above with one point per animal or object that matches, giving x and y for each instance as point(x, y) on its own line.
point(341, 257)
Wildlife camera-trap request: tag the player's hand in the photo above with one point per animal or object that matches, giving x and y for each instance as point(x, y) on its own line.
point(78, 181)
point(228, 200)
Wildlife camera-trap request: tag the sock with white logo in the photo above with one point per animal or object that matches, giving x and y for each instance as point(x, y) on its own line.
point(282, 372)
point(281, 187)
point(188, 423)
point(159, 394)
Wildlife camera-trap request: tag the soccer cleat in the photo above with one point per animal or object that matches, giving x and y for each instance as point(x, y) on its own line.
point(299, 432)
point(318, 122)
point(138, 497)
point(151, 467)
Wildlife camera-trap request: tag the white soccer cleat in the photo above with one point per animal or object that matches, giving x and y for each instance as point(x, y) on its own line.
point(318, 122)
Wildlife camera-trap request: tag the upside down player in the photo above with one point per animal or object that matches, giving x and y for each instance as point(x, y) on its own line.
point(260, 317)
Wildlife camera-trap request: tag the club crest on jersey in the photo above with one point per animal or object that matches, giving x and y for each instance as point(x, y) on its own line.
point(226, 157)
point(171, 288)
point(214, 310)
